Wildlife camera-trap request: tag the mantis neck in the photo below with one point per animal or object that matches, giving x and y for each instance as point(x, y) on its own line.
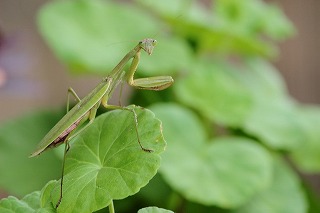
point(117, 70)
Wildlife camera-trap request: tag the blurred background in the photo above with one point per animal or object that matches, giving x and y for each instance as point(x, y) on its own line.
point(30, 72)
point(35, 74)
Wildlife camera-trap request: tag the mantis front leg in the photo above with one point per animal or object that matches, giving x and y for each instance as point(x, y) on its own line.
point(151, 83)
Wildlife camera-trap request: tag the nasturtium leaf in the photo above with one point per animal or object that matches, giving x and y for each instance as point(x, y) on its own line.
point(165, 7)
point(216, 91)
point(263, 81)
point(105, 161)
point(247, 23)
point(34, 202)
point(18, 138)
point(284, 195)
point(85, 34)
point(154, 210)
point(27, 205)
point(272, 117)
point(307, 156)
point(275, 24)
point(252, 17)
point(180, 11)
point(230, 169)
point(210, 30)
point(276, 125)
point(45, 197)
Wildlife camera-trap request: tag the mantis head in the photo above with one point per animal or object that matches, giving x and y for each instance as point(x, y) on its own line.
point(148, 44)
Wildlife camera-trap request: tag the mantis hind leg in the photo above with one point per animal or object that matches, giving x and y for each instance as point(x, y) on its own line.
point(66, 148)
point(135, 117)
point(91, 115)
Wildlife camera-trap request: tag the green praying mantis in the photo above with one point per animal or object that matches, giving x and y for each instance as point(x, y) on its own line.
point(86, 108)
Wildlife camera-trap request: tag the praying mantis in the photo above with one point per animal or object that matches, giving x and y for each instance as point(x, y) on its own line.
point(86, 108)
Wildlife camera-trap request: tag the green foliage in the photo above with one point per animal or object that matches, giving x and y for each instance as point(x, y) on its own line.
point(230, 126)
point(18, 139)
point(154, 210)
point(27, 204)
point(283, 195)
point(80, 33)
point(104, 163)
point(224, 164)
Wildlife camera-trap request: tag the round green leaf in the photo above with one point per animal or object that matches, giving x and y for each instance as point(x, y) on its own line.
point(278, 126)
point(253, 18)
point(284, 195)
point(13, 204)
point(85, 34)
point(263, 81)
point(272, 118)
point(154, 210)
point(18, 138)
point(45, 198)
point(225, 172)
point(216, 91)
point(307, 156)
point(34, 202)
point(105, 161)
point(28, 204)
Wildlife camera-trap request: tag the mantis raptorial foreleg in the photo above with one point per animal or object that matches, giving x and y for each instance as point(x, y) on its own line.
point(151, 83)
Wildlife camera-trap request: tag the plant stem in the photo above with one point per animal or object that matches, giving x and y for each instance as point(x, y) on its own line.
point(111, 207)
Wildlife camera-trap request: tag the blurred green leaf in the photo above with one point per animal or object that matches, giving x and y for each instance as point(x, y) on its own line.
point(105, 162)
point(275, 24)
point(252, 17)
point(82, 32)
point(252, 97)
point(217, 172)
point(30, 203)
point(272, 117)
point(216, 91)
point(154, 210)
point(231, 27)
point(166, 7)
point(45, 198)
point(307, 157)
point(85, 35)
point(278, 126)
point(33, 202)
point(18, 174)
point(26, 205)
point(263, 81)
point(283, 196)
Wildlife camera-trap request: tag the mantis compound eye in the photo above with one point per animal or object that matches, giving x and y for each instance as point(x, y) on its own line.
point(154, 42)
